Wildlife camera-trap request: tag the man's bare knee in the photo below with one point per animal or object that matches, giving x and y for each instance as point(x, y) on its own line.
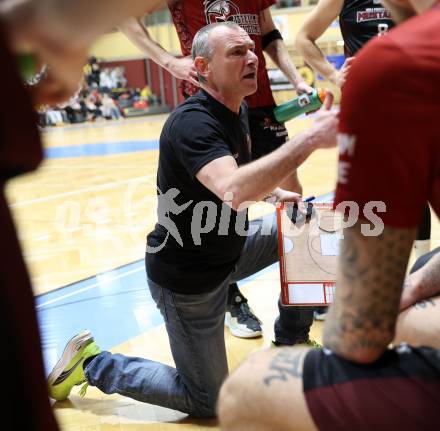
point(257, 395)
point(227, 406)
point(236, 406)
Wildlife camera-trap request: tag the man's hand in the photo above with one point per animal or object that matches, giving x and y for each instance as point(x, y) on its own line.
point(50, 47)
point(410, 293)
point(63, 77)
point(422, 284)
point(183, 68)
point(341, 75)
point(325, 127)
point(302, 88)
point(280, 195)
point(54, 90)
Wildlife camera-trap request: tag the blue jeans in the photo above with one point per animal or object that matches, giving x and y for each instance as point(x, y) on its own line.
point(195, 326)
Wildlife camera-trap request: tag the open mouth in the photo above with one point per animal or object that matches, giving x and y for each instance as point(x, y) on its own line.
point(251, 75)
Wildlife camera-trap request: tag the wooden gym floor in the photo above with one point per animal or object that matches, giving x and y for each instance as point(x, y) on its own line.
point(82, 220)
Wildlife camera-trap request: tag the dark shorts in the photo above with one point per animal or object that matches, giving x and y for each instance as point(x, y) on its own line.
point(266, 133)
point(399, 392)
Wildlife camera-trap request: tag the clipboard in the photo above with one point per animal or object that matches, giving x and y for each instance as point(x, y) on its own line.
point(308, 253)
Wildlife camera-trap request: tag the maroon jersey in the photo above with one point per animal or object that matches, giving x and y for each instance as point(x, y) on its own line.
point(189, 16)
point(20, 151)
point(389, 140)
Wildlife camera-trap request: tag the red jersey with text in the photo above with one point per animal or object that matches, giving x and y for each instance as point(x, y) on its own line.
point(360, 21)
point(189, 16)
point(389, 140)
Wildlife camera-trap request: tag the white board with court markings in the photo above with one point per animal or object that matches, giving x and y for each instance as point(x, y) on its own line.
point(308, 255)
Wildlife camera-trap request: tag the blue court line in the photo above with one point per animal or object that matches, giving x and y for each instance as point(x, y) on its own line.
point(73, 289)
point(100, 149)
point(116, 306)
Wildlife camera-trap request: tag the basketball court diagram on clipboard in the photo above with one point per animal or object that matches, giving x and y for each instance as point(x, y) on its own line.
point(308, 254)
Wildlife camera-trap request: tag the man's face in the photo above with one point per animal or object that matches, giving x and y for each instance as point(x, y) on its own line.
point(233, 65)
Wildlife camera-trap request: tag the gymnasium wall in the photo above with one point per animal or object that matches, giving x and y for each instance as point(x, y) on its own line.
point(114, 48)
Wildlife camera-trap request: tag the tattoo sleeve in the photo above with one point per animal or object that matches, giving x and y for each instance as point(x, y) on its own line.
point(371, 272)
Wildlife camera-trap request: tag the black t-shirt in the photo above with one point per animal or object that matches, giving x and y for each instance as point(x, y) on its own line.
point(360, 21)
point(193, 247)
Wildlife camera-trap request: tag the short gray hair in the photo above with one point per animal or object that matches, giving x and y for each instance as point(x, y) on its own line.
point(201, 47)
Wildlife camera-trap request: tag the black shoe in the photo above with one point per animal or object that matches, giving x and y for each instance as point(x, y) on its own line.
point(240, 319)
point(320, 313)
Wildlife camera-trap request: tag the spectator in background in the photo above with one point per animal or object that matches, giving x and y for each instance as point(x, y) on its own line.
point(93, 104)
point(106, 83)
point(146, 93)
point(109, 108)
point(54, 117)
point(76, 110)
point(289, 3)
point(118, 78)
point(94, 76)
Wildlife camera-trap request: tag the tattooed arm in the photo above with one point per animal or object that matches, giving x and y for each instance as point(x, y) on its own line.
point(361, 321)
point(423, 283)
point(419, 323)
point(264, 393)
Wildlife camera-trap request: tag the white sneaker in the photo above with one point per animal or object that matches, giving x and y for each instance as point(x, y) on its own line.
point(318, 315)
point(241, 321)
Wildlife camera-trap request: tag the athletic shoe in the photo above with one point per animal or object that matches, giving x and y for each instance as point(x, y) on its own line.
point(309, 343)
point(312, 343)
point(69, 372)
point(319, 316)
point(320, 313)
point(241, 320)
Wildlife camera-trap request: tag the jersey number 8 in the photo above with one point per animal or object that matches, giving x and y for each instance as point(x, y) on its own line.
point(382, 29)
